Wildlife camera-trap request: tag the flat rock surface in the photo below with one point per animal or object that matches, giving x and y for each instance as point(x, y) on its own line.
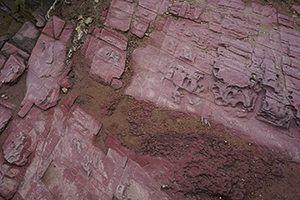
point(67, 163)
point(152, 100)
point(12, 69)
point(5, 117)
point(181, 76)
point(27, 36)
point(47, 69)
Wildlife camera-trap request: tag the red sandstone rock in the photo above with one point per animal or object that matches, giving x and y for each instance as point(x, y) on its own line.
point(20, 143)
point(97, 32)
point(25, 109)
point(145, 14)
point(118, 19)
point(285, 20)
point(67, 160)
point(152, 5)
point(139, 27)
point(234, 27)
point(11, 177)
point(191, 32)
point(67, 33)
point(4, 39)
point(8, 105)
point(2, 60)
point(27, 36)
point(47, 69)
point(108, 63)
point(114, 38)
point(291, 67)
point(164, 7)
point(39, 16)
point(267, 11)
point(235, 4)
point(116, 83)
point(12, 69)
point(5, 116)
point(54, 27)
point(122, 5)
point(186, 10)
point(9, 49)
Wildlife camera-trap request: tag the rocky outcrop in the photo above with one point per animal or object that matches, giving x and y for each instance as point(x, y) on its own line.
point(47, 69)
point(244, 77)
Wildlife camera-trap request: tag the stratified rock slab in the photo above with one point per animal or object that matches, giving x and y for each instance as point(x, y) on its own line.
point(47, 69)
point(119, 15)
point(27, 36)
point(139, 27)
point(9, 49)
point(108, 63)
point(11, 177)
point(12, 69)
point(5, 116)
point(20, 143)
point(152, 5)
point(107, 59)
point(215, 71)
point(68, 165)
point(114, 38)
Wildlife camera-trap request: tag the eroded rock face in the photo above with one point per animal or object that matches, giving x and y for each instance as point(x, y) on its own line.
point(105, 52)
point(5, 116)
point(47, 70)
point(67, 163)
point(216, 71)
point(27, 36)
point(10, 178)
point(119, 15)
point(13, 68)
point(20, 143)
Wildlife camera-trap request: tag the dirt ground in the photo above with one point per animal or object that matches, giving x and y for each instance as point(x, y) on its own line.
point(150, 130)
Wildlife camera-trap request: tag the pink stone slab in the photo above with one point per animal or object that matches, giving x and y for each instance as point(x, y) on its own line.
point(2, 60)
point(25, 109)
point(192, 33)
point(54, 27)
point(5, 116)
point(164, 7)
point(110, 37)
point(20, 143)
point(170, 44)
point(136, 177)
point(108, 63)
point(285, 20)
point(67, 33)
point(9, 49)
point(39, 192)
point(12, 176)
point(116, 84)
point(80, 116)
point(145, 14)
point(47, 68)
point(8, 105)
point(13, 69)
point(27, 36)
point(234, 27)
point(97, 32)
point(139, 27)
point(118, 19)
point(123, 5)
point(117, 157)
point(152, 5)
